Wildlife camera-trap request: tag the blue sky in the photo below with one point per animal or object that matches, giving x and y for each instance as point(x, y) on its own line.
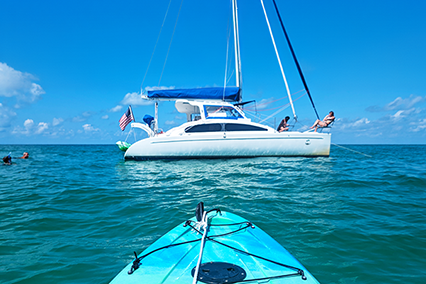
point(69, 69)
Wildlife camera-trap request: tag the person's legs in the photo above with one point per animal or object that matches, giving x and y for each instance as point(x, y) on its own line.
point(316, 123)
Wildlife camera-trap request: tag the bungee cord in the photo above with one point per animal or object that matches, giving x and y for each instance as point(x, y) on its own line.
point(203, 224)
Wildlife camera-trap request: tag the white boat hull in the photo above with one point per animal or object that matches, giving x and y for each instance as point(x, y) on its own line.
point(231, 145)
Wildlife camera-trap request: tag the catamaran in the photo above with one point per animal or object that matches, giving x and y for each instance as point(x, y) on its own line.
point(217, 126)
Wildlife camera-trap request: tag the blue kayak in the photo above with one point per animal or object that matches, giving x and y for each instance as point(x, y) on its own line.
point(215, 247)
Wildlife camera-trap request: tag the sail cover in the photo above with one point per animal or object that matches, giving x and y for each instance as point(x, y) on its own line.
point(212, 93)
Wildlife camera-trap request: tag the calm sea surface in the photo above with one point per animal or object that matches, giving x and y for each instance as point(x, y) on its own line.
point(75, 214)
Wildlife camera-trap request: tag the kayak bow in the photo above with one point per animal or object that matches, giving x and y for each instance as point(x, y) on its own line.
point(215, 247)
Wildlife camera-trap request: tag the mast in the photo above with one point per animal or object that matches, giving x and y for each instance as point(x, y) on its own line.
point(236, 46)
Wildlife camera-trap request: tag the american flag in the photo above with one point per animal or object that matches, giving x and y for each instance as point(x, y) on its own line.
point(126, 118)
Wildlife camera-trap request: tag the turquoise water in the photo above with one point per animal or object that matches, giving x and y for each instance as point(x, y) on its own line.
point(75, 214)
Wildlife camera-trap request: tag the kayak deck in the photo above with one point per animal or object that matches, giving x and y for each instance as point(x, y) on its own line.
point(231, 240)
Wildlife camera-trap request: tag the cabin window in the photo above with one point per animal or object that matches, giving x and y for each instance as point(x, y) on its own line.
point(243, 127)
point(227, 112)
point(211, 127)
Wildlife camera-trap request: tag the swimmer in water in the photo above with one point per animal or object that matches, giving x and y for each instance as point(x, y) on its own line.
point(24, 156)
point(7, 160)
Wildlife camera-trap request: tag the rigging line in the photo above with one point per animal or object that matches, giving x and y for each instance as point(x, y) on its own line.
point(128, 134)
point(273, 101)
point(279, 60)
point(269, 109)
point(295, 59)
point(226, 60)
point(258, 116)
point(280, 110)
point(230, 77)
point(155, 47)
point(352, 150)
point(167, 55)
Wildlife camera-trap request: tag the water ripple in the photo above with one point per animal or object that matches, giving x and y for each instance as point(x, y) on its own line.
point(75, 214)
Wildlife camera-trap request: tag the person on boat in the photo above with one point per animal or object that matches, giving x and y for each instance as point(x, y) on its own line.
point(283, 125)
point(329, 118)
point(7, 160)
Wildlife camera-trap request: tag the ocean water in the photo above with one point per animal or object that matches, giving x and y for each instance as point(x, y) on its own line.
point(75, 214)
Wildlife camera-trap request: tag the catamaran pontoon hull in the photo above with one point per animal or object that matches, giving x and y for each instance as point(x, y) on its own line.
point(231, 145)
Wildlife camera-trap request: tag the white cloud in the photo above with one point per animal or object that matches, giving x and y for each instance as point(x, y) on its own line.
point(42, 126)
point(398, 115)
point(90, 128)
point(401, 114)
point(28, 124)
point(30, 128)
point(116, 108)
point(17, 84)
point(57, 121)
point(170, 122)
point(134, 99)
point(105, 117)
point(359, 123)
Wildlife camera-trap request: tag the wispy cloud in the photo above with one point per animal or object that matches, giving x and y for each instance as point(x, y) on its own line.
point(358, 123)
point(57, 121)
point(83, 117)
point(398, 104)
point(116, 108)
point(6, 117)
point(14, 83)
point(418, 125)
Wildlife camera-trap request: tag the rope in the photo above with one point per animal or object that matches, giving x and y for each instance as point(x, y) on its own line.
point(131, 129)
point(353, 150)
point(279, 60)
point(170, 44)
point(155, 47)
point(280, 110)
point(273, 101)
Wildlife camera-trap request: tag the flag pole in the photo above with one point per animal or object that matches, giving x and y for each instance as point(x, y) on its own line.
point(131, 111)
